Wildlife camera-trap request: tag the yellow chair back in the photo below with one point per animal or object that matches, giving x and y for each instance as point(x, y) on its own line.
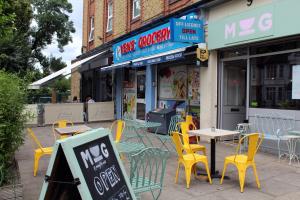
point(178, 144)
point(254, 141)
point(119, 128)
point(34, 138)
point(60, 124)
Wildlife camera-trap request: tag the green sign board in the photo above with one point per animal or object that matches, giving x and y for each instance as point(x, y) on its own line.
point(86, 166)
point(274, 20)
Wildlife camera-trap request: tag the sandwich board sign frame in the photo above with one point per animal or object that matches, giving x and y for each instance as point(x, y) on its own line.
point(86, 166)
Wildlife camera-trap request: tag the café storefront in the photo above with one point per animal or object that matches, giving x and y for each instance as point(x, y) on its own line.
point(158, 69)
point(257, 53)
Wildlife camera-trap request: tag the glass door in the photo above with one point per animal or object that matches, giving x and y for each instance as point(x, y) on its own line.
point(233, 93)
point(141, 92)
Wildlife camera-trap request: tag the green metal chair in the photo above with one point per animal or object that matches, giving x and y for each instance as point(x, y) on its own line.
point(167, 139)
point(147, 170)
point(124, 146)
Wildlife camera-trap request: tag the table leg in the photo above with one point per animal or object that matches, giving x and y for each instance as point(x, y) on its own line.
point(213, 157)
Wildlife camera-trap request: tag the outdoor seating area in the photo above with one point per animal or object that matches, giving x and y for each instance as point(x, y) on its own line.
point(184, 164)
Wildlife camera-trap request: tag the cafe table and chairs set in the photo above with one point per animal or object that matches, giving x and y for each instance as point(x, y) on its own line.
point(135, 144)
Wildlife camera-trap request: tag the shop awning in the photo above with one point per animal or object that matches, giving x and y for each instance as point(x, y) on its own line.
point(158, 58)
point(63, 72)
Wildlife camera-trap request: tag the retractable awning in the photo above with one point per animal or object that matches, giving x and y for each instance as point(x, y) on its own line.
point(63, 72)
point(154, 59)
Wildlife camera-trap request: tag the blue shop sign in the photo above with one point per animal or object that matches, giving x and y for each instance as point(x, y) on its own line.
point(154, 41)
point(160, 59)
point(190, 31)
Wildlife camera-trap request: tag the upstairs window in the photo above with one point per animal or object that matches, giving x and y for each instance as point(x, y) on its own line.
point(136, 8)
point(109, 16)
point(92, 29)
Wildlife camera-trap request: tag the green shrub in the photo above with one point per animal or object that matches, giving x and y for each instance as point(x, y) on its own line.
point(12, 120)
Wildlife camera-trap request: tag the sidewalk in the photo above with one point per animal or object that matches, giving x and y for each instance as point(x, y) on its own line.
point(278, 179)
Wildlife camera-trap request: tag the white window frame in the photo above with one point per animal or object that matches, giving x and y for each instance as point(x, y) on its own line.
point(109, 16)
point(92, 29)
point(134, 15)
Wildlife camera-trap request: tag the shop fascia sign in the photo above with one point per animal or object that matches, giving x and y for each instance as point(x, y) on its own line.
point(252, 25)
point(158, 40)
point(249, 26)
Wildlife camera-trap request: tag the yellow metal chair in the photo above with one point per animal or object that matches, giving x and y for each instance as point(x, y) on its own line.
point(118, 128)
point(242, 161)
point(39, 151)
point(61, 124)
point(188, 160)
point(190, 148)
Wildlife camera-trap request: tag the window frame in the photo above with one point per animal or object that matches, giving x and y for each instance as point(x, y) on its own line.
point(133, 13)
point(92, 29)
point(109, 16)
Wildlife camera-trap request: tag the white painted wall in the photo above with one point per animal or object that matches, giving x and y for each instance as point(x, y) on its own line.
point(69, 111)
point(101, 111)
point(208, 92)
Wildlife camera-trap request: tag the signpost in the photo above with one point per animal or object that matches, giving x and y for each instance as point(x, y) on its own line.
point(86, 166)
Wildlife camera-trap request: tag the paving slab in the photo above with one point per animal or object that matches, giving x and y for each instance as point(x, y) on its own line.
point(278, 179)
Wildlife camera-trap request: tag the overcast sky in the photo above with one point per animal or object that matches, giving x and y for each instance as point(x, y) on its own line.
point(73, 49)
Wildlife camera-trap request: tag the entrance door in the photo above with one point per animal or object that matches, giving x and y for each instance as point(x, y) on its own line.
point(141, 91)
point(234, 93)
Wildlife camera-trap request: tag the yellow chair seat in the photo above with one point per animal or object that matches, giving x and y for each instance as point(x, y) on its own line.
point(46, 150)
point(195, 147)
point(193, 157)
point(237, 159)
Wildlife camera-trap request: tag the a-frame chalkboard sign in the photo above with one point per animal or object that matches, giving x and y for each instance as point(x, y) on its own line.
point(86, 166)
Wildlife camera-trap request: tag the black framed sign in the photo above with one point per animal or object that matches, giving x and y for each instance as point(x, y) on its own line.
point(94, 168)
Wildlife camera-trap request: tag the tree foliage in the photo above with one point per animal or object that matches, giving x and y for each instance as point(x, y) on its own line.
point(27, 27)
point(12, 119)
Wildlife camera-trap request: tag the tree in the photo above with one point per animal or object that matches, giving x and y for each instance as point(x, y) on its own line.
point(32, 25)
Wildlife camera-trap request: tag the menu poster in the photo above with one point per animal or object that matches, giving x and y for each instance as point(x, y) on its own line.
point(101, 170)
point(173, 82)
point(194, 85)
point(296, 82)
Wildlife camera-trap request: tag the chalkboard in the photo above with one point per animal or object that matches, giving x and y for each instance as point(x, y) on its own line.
point(101, 171)
point(86, 166)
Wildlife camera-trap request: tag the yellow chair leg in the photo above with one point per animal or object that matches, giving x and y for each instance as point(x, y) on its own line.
point(177, 173)
point(242, 175)
point(207, 171)
point(224, 170)
point(188, 170)
point(256, 176)
point(37, 157)
point(204, 152)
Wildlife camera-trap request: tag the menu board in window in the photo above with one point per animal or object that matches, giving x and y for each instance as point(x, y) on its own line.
point(173, 82)
point(86, 166)
point(194, 85)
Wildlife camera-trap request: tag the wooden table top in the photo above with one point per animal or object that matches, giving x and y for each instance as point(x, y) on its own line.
point(72, 129)
point(212, 134)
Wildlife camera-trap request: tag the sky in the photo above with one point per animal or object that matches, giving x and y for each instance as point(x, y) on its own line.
point(72, 49)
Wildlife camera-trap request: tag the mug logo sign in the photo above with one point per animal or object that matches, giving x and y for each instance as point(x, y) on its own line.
point(101, 170)
point(249, 26)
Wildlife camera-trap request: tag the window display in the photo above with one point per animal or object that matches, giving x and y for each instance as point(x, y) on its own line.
point(272, 81)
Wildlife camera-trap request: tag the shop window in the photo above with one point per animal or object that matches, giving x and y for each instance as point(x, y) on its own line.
point(136, 9)
point(109, 16)
point(279, 46)
point(106, 86)
point(234, 52)
point(275, 82)
point(179, 89)
point(92, 29)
